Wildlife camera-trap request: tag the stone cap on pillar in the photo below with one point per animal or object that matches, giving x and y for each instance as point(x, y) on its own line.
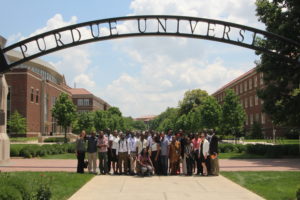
point(2, 42)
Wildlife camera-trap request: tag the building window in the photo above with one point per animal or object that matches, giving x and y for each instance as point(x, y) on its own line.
point(32, 95)
point(247, 120)
point(86, 102)
point(245, 86)
point(246, 102)
point(241, 88)
point(250, 83)
point(251, 103)
point(256, 100)
point(257, 117)
point(251, 119)
point(263, 118)
point(80, 102)
point(255, 81)
point(261, 102)
point(37, 96)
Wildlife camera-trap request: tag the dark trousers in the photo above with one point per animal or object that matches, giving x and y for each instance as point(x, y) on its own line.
point(198, 162)
point(103, 162)
point(109, 159)
point(164, 165)
point(80, 164)
point(156, 163)
point(189, 165)
point(207, 163)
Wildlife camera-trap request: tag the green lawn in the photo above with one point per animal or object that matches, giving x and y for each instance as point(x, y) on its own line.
point(233, 155)
point(23, 139)
point(60, 156)
point(270, 185)
point(62, 184)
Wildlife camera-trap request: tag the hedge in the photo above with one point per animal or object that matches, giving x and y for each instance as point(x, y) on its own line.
point(269, 151)
point(34, 150)
point(56, 139)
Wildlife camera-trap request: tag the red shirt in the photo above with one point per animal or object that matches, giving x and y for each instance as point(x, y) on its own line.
point(196, 143)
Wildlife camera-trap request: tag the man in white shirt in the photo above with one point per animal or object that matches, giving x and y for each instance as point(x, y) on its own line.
point(123, 151)
point(113, 145)
point(132, 142)
point(142, 143)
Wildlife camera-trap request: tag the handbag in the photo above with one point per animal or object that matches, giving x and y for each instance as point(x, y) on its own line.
point(86, 163)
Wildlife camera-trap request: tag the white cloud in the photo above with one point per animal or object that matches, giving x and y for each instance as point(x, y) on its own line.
point(170, 66)
point(84, 81)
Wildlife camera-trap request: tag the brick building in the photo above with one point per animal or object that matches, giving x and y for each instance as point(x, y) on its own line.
point(33, 90)
point(86, 101)
point(245, 87)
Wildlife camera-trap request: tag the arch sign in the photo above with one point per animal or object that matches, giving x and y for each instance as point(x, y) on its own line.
point(134, 26)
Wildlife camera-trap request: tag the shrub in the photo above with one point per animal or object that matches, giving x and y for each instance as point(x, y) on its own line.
point(55, 139)
point(298, 194)
point(43, 190)
point(8, 192)
point(33, 150)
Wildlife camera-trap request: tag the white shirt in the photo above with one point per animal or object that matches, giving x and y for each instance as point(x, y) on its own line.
point(205, 147)
point(141, 145)
point(154, 146)
point(123, 146)
point(115, 141)
point(132, 143)
point(150, 140)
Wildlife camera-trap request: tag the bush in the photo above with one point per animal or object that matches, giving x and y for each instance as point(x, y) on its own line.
point(8, 192)
point(56, 139)
point(227, 148)
point(298, 194)
point(33, 150)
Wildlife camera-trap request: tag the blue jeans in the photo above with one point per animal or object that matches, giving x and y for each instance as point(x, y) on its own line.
point(164, 164)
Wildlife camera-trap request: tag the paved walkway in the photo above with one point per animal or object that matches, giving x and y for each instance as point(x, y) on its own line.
point(225, 164)
point(162, 188)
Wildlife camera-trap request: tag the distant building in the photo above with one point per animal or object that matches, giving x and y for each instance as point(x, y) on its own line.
point(146, 119)
point(245, 87)
point(33, 89)
point(86, 101)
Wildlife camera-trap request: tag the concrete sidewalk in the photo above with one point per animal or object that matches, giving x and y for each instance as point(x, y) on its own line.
point(225, 165)
point(162, 188)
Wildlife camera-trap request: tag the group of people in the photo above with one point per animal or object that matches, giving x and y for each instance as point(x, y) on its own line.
point(149, 152)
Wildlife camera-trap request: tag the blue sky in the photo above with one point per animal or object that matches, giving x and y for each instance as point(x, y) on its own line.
point(142, 76)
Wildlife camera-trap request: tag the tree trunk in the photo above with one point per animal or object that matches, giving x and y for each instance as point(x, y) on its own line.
point(65, 141)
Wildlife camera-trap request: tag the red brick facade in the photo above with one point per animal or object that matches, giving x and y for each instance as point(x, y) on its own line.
point(245, 87)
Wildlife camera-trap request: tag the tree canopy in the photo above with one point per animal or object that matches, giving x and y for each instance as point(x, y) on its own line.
point(281, 93)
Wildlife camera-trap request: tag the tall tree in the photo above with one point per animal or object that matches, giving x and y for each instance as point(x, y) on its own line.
point(101, 120)
point(17, 123)
point(281, 93)
point(64, 111)
point(191, 100)
point(210, 112)
point(86, 122)
point(233, 114)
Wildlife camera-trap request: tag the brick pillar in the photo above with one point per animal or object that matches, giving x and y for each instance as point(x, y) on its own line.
point(4, 139)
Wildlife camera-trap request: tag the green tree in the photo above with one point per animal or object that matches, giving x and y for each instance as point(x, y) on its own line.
point(210, 113)
point(170, 113)
point(101, 120)
point(17, 123)
point(233, 114)
point(191, 100)
point(86, 122)
point(256, 130)
point(114, 111)
point(64, 111)
point(281, 93)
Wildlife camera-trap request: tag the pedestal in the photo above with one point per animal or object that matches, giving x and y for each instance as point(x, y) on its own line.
point(4, 139)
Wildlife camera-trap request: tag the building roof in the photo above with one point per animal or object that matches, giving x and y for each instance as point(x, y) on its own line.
point(79, 91)
point(146, 118)
point(235, 80)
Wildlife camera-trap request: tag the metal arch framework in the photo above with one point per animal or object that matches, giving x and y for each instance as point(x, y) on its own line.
point(135, 26)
